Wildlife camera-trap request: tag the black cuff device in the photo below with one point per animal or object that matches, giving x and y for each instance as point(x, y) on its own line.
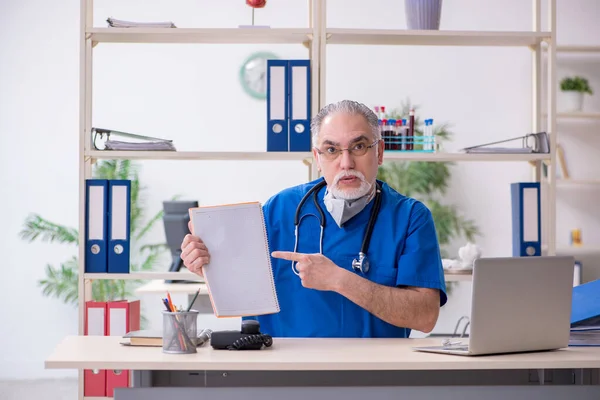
point(249, 338)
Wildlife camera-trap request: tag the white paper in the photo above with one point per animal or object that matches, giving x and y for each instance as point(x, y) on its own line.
point(96, 213)
point(530, 215)
point(118, 214)
point(118, 319)
point(95, 321)
point(239, 276)
point(277, 100)
point(299, 93)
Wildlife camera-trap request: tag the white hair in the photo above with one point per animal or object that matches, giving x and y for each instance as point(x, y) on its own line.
point(346, 106)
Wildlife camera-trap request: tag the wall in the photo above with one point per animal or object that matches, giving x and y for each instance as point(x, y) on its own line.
point(191, 94)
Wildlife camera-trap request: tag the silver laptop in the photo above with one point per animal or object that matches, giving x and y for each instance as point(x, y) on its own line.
point(518, 304)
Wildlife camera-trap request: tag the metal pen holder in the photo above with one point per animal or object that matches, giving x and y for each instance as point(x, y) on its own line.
point(180, 332)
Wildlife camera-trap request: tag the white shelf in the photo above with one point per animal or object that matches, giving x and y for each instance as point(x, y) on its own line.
point(186, 276)
point(434, 38)
point(578, 115)
point(577, 182)
point(200, 35)
point(439, 157)
point(573, 250)
point(283, 156)
point(578, 49)
point(199, 155)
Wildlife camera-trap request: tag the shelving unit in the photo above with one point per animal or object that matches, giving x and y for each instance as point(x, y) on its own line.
point(316, 38)
point(568, 53)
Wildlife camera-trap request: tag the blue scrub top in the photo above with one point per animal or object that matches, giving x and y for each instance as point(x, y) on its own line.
point(403, 251)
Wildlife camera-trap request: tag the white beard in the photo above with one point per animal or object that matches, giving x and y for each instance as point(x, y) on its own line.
point(350, 193)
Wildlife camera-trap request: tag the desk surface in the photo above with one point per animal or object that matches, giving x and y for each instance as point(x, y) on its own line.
point(105, 352)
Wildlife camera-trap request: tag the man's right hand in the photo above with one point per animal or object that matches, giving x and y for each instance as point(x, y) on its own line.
point(194, 253)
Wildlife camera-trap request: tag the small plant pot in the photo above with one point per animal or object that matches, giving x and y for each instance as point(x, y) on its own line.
point(423, 14)
point(572, 101)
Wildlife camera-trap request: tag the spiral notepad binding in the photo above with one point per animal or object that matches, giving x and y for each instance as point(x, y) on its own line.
point(269, 258)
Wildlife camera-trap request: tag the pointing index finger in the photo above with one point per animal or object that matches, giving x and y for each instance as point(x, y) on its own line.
point(288, 255)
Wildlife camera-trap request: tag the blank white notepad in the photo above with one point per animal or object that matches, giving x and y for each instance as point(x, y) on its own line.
point(239, 277)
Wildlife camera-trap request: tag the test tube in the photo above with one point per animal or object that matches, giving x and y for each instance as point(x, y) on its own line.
point(404, 134)
point(433, 145)
point(397, 135)
point(411, 129)
point(426, 135)
point(384, 133)
point(391, 134)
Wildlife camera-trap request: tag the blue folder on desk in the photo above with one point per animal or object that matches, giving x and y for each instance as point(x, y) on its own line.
point(585, 315)
point(585, 308)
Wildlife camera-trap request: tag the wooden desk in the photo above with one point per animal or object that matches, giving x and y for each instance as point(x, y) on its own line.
point(314, 363)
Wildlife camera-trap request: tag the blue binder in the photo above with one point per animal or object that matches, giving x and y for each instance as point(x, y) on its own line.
point(119, 212)
point(526, 219)
point(585, 307)
point(96, 211)
point(299, 105)
point(277, 105)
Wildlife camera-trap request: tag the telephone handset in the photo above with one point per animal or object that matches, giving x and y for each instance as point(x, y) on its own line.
point(249, 338)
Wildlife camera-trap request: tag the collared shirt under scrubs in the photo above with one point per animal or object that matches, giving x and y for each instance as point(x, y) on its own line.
point(403, 251)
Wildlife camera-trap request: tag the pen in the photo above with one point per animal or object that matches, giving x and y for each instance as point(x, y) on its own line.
point(166, 303)
point(170, 302)
point(193, 300)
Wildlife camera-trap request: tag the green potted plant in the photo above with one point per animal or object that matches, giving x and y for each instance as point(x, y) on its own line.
point(62, 282)
point(573, 89)
point(428, 182)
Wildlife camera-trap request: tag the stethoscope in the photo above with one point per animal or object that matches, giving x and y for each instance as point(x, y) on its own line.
point(358, 265)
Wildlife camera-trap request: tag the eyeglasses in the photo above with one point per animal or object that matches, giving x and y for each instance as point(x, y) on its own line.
point(359, 149)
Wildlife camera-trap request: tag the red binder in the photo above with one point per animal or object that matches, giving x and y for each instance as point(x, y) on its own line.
point(123, 317)
point(94, 381)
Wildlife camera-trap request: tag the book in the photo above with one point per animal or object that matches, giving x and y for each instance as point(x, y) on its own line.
point(153, 338)
point(585, 336)
point(239, 277)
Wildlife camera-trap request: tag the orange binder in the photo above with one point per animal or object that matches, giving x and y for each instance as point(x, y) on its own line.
point(123, 317)
point(94, 381)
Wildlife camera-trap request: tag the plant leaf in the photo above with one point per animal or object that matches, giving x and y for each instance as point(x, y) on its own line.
point(37, 227)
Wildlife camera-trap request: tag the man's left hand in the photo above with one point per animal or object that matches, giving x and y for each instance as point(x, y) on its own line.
point(316, 271)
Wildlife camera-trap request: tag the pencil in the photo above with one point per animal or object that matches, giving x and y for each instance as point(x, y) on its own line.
point(193, 300)
point(170, 302)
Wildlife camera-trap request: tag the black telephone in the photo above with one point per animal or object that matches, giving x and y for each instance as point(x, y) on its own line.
point(249, 338)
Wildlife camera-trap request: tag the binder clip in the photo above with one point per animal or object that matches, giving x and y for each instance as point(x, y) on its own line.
point(148, 143)
point(530, 143)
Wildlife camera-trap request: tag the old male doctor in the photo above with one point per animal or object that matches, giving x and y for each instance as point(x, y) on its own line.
point(365, 261)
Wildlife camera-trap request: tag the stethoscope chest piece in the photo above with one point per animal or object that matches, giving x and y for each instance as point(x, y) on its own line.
point(362, 264)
